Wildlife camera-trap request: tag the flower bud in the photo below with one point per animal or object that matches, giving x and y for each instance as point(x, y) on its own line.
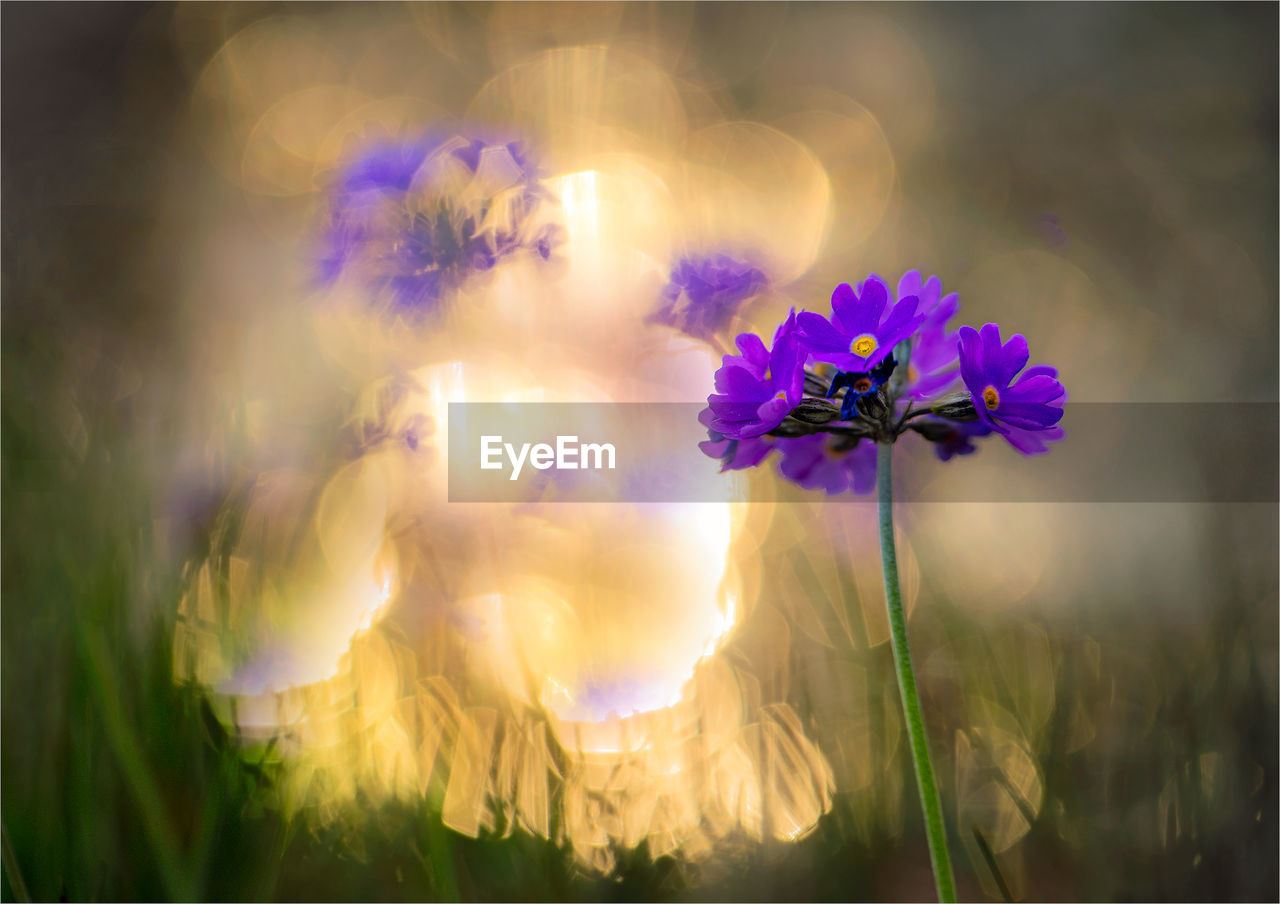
point(958, 407)
point(815, 411)
point(875, 405)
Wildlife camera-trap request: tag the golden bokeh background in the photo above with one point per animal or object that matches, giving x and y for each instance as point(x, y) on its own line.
point(241, 607)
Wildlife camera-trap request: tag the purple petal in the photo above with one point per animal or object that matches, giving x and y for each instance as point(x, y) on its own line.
point(1029, 415)
point(1034, 442)
point(750, 452)
point(731, 412)
point(741, 384)
point(805, 461)
point(991, 347)
point(901, 323)
point(753, 349)
point(773, 412)
point(735, 429)
point(844, 303)
point(971, 359)
point(1040, 370)
point(938, 315)
point(769, 415)
point(1013, 357)
point(934, 383)
point(786, 328)
point(864, 316)
point(910, 284)
point(1039, 388)
point(715, 448)
point(784, 365)
point(929, 294)
point(861, 463)
point(817, 333)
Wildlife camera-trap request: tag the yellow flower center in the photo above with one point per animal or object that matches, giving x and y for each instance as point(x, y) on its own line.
point(780, 395)
point(863, 345)
point(990, 398)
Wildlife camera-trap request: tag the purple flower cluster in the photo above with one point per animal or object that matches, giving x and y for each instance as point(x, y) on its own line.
point(900, 366)
point(410, 221)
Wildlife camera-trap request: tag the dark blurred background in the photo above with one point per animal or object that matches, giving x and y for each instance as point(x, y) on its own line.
point(1104, 709)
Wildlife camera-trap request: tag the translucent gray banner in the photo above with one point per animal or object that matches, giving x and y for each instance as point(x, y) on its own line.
point(616, 452)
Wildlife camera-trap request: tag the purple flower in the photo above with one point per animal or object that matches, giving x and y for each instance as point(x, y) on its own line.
point(705, 293)
point(1033, 403)
point(734, 454)
point(934, 364)
point(858, 335)
point(412, 220)
point(756, 390)
point(959, 439)
point(814, 462)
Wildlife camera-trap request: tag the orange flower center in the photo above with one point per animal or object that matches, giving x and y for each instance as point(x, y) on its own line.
point(862, 385)
point(990, 398)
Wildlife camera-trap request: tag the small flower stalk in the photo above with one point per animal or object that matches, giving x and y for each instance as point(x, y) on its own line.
point(836, 392)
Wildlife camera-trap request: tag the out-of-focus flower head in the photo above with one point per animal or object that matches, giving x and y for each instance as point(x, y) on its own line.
point(819, 462)
point(755, 391)
point(411, 221)
point(988, 367)
point(859, 335)
point(705, 293)
point(957, 439)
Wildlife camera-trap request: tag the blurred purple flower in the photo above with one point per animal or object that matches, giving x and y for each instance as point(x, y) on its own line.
point(959, 439)
point(412, 220)
point(858, 335)
point(704, 294)
point(815, 462)
point(756, 390)
point(988, 367)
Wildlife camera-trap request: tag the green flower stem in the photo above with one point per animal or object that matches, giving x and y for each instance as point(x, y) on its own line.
point(929, 801)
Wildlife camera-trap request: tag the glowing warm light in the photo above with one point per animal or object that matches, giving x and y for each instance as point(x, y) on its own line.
point(527, 655)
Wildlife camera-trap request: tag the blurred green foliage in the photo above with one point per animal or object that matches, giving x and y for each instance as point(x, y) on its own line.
point(120, 784)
